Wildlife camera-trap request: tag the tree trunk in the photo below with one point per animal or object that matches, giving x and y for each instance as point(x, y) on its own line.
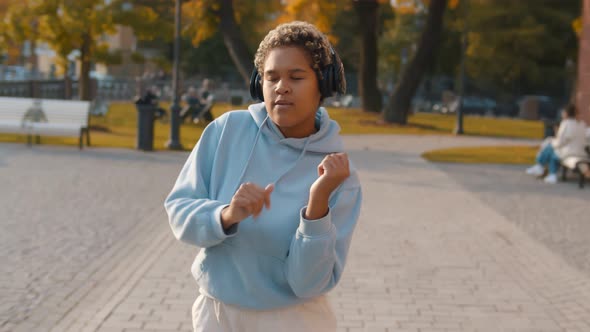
point(235, 44)
point(34, 57)
point(399, 104)
point(34, 60)
point(84, 78)
point(367, 12)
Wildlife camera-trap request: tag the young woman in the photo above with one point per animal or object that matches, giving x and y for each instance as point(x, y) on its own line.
point(270, 196)
point(570, 141)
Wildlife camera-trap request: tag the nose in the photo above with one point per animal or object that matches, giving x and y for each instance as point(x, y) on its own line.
point(282, 87)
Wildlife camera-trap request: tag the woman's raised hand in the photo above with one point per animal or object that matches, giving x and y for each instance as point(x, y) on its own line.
point(332, 171)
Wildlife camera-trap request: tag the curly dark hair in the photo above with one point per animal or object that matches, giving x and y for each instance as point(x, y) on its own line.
point(306, 36)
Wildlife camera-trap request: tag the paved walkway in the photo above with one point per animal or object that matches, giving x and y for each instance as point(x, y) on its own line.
point(86, 247)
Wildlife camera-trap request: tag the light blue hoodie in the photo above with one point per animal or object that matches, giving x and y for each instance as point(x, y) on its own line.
point(280, 258)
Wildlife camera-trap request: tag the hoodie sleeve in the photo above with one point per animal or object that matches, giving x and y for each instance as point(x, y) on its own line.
point(193, 216)
point(319, 248)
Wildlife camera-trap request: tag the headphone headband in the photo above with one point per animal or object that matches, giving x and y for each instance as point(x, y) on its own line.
point(330, 84)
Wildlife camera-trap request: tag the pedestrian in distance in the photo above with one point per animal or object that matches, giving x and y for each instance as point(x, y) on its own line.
point(270, 197)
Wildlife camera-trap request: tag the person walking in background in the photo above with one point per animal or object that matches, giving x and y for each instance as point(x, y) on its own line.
point(270, 196)
point(569, 141)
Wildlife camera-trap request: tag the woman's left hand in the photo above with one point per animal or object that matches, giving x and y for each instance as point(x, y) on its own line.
point(332, 171)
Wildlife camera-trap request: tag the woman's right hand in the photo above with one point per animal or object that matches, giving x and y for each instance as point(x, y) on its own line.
point(249, 200)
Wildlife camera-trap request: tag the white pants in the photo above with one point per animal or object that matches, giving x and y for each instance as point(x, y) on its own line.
point(210, 315)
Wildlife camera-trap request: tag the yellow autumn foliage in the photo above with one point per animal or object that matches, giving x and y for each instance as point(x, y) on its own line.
point(319, 13)
point(577, 26)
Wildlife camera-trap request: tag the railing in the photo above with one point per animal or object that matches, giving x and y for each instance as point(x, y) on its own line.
point(47, 89)
point(112, 90)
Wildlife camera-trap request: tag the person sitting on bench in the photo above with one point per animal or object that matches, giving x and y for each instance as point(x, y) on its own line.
point(570, 141)
point(199, 104)
point(193, 104)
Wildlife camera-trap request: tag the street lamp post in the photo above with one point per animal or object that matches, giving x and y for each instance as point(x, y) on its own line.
point(174, 142)
point(459, 124)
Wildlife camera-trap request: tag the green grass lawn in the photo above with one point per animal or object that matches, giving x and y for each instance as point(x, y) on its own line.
point(519, 155)
point(354, 121)
point(118, 127)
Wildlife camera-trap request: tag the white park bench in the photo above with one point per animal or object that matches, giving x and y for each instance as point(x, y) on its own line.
point(45, 117)
point(574, 163)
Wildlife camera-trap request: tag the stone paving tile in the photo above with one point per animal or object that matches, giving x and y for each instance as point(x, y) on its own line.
point(555, 215)
point(416, 263)
point(162, 299)
point(428, 276)
point(65, 214)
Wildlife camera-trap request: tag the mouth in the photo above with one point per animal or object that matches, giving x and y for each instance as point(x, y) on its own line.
point(283, 103)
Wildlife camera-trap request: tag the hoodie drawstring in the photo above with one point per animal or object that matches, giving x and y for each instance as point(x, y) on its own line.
point(245, 168)
point(250, 155)
point(307, 140)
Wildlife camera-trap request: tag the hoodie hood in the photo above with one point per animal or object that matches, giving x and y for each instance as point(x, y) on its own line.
point(325, 140)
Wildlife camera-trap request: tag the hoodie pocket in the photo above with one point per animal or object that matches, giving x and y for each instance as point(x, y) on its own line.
point(243, 277)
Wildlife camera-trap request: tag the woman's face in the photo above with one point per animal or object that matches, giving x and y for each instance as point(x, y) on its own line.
point(291, 91)
point(564, 115)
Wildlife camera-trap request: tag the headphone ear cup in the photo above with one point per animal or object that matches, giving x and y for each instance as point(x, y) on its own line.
point(338, 79)
point(322, 84)
point(255, 86)
point(259, 87)
point(332, 80)
point(327, 86)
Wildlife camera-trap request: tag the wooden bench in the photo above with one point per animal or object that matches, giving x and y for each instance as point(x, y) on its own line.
point(45, 117)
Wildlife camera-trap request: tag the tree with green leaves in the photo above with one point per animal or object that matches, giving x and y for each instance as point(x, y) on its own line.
point(521, 46)
point(4, 42)
point(69, 26)
point(514, 48)
point(240, 22)
point(19, 25)
point(368, 23)
point(360, 50)
point(210, 59)
point(398, 107)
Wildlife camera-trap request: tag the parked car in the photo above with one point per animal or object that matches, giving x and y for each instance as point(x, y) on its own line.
point(475, 105)
point(471, 105)
point(440, 107)
point(421, 105)
point(14, 73)
point(547, 107)
point(506, 109)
